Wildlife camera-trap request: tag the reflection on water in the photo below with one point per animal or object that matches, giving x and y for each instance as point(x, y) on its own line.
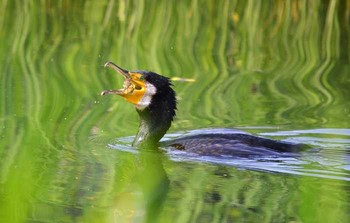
point(283, 67)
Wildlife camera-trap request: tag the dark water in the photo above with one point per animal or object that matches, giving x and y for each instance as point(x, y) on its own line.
point(279, 70)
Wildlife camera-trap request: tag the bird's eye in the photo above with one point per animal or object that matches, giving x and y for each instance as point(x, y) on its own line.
point(142, 78)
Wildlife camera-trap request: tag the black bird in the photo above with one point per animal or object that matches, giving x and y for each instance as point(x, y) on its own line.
point(154, 100)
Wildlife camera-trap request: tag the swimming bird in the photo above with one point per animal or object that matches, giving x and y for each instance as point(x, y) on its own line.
point(154, 99)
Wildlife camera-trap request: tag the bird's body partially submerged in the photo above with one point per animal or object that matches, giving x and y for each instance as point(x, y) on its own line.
point(232, 144)
point(155, 102)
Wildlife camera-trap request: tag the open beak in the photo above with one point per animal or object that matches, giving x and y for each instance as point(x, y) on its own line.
point(134, 87)
point(127, 86)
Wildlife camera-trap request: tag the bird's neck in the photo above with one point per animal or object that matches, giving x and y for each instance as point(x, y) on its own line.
point(155, 120)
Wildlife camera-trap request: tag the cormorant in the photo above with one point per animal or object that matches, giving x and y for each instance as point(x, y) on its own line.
point(154, 100)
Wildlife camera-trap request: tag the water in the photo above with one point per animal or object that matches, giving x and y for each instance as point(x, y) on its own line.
point(276, 70)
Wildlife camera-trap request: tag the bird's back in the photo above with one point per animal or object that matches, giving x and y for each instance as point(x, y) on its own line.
point(237, 144)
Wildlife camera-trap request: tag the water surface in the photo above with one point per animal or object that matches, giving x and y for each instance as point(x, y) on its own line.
point(279, 70)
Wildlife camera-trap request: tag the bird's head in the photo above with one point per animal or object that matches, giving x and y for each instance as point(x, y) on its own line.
point(143, 88)
point(153, 98)
point(139, 86)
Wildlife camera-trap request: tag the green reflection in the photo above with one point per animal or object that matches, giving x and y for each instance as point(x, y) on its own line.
point(154, 182)
point(283, 64)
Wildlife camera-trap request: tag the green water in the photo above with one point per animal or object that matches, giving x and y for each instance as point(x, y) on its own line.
point(279, 69)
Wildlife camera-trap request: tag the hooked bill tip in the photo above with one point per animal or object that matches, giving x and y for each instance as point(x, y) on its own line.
point(107, 64)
